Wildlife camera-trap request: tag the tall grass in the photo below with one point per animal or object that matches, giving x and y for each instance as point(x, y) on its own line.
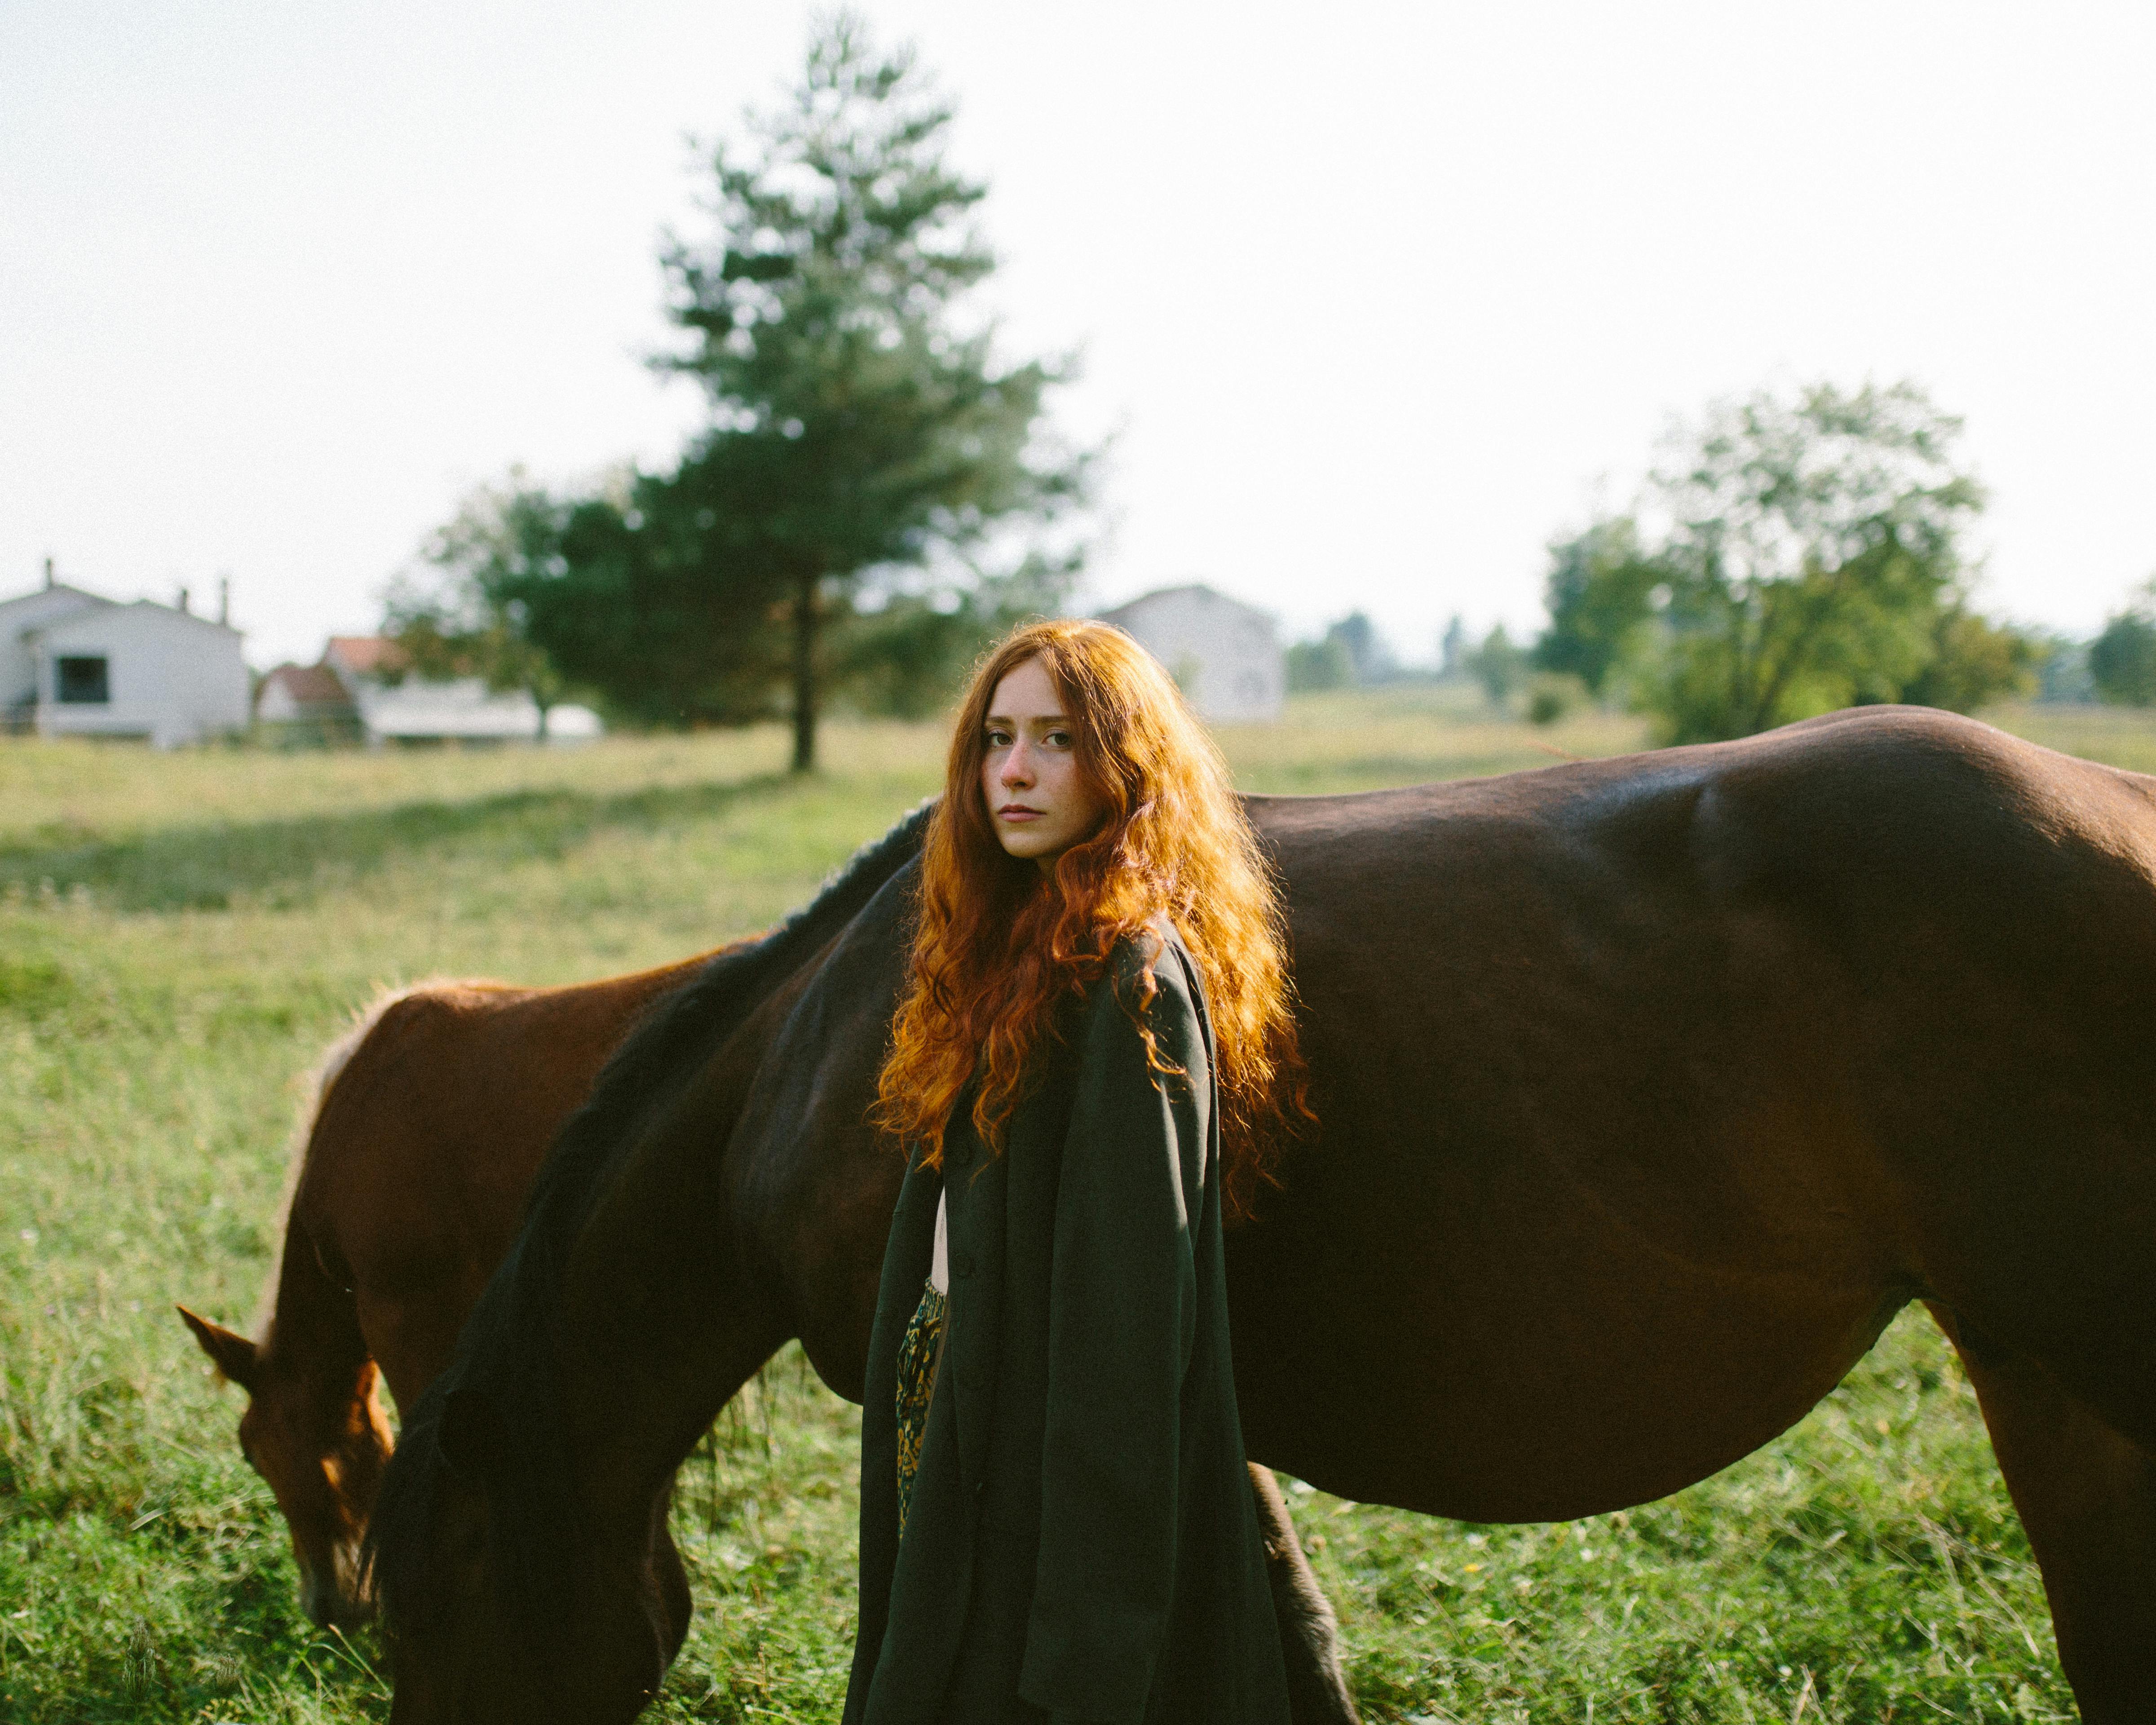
point(181, 935)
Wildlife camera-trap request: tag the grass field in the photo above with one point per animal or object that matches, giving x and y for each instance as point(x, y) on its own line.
point(179, 936)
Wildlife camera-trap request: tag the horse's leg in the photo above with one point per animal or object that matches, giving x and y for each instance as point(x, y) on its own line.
point(2088, 1499)
point(1309, 1634)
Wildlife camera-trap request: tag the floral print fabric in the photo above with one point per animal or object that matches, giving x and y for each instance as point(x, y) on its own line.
point(917, 1384)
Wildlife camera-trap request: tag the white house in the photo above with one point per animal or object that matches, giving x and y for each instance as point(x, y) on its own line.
point(1223, 654)
point(75, 664)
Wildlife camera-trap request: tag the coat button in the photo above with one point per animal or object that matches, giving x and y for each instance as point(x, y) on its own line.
point(962, 1264)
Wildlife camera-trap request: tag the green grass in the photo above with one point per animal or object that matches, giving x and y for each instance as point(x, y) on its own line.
point(2121, 735)
point(180, 936)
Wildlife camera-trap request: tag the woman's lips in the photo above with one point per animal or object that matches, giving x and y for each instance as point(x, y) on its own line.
point(1016, 811)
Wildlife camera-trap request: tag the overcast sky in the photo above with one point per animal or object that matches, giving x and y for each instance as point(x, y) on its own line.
point(1377, 296)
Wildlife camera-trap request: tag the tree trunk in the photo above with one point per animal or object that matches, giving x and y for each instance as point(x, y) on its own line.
point(804, 672)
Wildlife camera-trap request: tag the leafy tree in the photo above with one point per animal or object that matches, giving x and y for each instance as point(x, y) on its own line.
point(2122, 661)
point(1806, 556)
point(651, 605)
point(1322, 664)
point(1500, 665)
point(469, 617)
point(860, 419)
point(1813, 543)
point(1600, 591)
point(1350, 651)
point(1973, 661)
point(1551, 694)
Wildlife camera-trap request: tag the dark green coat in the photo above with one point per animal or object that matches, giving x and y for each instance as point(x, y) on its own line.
point(1083, 1543)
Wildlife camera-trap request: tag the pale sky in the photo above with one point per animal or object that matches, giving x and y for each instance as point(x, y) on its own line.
point(1378, 296)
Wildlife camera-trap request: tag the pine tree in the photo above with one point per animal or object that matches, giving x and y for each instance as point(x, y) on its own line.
point(860, 417)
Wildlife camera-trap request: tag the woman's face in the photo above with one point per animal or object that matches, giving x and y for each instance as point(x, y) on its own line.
point(1038, 802)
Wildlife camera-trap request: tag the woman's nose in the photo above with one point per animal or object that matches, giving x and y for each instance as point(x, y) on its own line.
point(1018, 767)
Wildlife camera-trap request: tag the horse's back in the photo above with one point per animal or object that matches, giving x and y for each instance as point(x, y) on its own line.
point(426, 1138)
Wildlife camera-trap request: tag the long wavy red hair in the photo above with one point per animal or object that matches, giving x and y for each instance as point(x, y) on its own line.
point(1000, 943)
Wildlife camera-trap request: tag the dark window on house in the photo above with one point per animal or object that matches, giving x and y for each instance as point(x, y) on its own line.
point(83, 682)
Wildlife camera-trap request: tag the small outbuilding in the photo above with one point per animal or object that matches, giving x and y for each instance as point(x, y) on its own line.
point(1223, 654)
point(73, 663)
point(306, 703)
point(388, 703)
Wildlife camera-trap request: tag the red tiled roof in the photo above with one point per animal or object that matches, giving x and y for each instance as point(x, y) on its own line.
point(365, 654)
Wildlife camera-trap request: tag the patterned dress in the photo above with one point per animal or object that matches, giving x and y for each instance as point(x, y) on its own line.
point(918, 1351)
point(917, 1384)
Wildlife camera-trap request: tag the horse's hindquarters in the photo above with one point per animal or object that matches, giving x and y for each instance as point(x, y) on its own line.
point(1650, 1090)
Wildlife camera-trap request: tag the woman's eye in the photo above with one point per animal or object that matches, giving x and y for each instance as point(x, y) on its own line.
point(999, 739)
point(1058, 739)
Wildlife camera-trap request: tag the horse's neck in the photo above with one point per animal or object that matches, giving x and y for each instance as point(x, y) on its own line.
point(312, 1332)
point(663, 1314)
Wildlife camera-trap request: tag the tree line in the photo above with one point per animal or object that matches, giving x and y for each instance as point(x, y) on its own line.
point(2122, 661)
point(1788, 554)
point(875, 493)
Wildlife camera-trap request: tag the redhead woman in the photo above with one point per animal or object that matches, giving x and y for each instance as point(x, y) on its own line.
point(1093, 1058)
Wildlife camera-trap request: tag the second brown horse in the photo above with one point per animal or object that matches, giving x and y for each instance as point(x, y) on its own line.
point(428, 1119)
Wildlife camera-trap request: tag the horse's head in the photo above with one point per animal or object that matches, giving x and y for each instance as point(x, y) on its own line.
point(508, 1595)
point(321, 1444)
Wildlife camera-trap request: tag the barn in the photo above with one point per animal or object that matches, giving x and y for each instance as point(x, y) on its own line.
point(1223, 654)
point(73, 663)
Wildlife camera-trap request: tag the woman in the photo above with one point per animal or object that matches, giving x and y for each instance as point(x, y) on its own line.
point(1056, 1522)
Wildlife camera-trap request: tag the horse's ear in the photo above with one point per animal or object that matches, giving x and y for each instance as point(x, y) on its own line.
point(232, 1353)
point(469, 1435)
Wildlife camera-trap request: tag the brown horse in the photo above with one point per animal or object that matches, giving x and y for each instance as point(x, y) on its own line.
point(1651, 1089)
point(431, 1115)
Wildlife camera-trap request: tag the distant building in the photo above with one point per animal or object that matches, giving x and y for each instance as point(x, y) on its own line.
point(75, 664)
point(306, 703)
point(1223, 654)
point(354, 657)
point(362, 689)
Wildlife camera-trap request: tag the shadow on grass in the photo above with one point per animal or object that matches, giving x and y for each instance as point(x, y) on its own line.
point(283, 861)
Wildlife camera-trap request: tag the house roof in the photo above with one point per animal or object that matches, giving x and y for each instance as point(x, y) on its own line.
point(108, 614)
point(365, 656)
point(41, 605)
point(1199, 587)
point(309, 686)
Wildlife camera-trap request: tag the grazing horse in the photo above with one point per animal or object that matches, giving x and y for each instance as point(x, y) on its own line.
point(1651, 1089)
point(431, 1115)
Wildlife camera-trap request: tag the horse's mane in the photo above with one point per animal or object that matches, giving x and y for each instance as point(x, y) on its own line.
point(505, 1354)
